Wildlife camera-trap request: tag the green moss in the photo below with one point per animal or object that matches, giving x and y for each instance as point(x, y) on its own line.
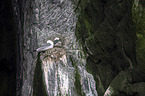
point(138, 12)
point(38, 85)
point(87, 24)
point(78, 83)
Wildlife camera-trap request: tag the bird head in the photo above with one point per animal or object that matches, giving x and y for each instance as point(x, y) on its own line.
point(57, 42)
point(56, 38)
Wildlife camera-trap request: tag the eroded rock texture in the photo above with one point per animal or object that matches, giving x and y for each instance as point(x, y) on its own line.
point(105, 30)
point(107, 33)
point(62, 74)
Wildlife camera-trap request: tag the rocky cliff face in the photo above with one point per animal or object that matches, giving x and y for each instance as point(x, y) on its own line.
point(107, 33)
point(62, 69)
point(99, 52)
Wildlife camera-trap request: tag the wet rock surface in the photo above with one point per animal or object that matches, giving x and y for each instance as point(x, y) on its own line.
point(60, 74)
point(107, 33)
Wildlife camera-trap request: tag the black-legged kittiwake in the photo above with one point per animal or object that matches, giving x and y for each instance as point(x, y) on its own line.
point(49, 45)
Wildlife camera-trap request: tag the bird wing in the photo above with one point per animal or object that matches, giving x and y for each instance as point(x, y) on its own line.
point(46, 44)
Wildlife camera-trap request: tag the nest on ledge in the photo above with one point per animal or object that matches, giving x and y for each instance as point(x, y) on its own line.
point(54, 54)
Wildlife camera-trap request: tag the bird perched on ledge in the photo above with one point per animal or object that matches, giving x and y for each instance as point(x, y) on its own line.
point(49, 45)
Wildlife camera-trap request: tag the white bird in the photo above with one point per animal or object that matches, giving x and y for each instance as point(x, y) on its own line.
point(56, 40)
point(48, 45)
